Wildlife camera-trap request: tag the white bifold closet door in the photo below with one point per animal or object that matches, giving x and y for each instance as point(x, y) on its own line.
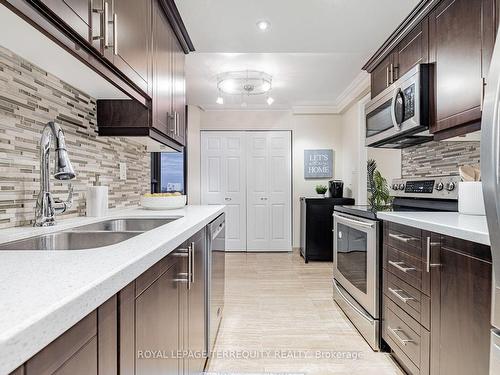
point(250, 172)
point(269, 191)
point(223, 177)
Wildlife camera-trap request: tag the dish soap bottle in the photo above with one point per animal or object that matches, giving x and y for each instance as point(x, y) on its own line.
point(97, 199)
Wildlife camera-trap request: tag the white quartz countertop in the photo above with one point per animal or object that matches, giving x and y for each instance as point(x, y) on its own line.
point(44, 293)
point(467, 227)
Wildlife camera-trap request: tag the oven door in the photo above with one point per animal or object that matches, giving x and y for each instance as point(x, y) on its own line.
point(356, 259)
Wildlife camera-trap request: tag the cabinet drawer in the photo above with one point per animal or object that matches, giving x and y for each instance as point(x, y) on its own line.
point(407, 268)
point(410, 299)
point(406, 336)
point(403, 238)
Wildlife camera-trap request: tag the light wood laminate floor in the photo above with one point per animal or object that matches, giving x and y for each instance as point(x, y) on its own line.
point(279, 316)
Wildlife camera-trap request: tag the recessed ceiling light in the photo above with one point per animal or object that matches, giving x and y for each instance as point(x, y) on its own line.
point(220, 100)
point(270, 100)
point(263, 25)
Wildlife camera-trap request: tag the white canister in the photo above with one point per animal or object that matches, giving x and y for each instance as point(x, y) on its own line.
point(97, 201)
point(470, 198)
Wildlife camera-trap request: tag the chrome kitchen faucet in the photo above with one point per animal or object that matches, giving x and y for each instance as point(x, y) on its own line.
point(47, 206)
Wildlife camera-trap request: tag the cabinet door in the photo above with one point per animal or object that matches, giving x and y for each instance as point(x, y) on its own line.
point(179, 94)
point(74, 352)
point(162, 72)
point(196, 305)
point(412, 50)
point(76, 13)
point(461, 35)
point(381, 76)
point(157, 325)
point(131, 39)
point(460, 308)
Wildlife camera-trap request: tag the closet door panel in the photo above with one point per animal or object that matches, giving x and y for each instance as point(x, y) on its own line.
point(223, 181)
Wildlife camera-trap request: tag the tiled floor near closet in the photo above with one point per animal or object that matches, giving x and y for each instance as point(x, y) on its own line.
point(280, 312)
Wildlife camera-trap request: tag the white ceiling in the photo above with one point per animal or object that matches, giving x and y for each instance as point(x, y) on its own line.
point(314, 48)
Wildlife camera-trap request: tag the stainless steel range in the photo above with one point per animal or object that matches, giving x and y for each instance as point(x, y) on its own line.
point(357, 247)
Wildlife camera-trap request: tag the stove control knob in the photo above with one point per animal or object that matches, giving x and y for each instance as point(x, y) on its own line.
point(395, 187)
point(401, 186)
point(439, 186)
point(450, 186)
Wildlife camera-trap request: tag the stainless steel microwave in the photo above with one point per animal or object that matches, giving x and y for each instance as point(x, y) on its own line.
point(399, 116)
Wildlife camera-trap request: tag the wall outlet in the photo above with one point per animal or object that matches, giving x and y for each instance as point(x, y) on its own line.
point(123, 171)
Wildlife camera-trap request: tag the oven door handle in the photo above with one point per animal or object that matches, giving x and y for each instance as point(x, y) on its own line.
point(354, 307)
point(354, 222)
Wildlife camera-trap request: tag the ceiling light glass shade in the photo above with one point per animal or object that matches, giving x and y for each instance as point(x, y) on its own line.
point(245, 82)
point(263, 25)
point(270, 101)
point(220, 100)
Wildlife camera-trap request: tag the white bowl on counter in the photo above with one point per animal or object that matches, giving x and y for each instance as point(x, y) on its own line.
point(163, 203)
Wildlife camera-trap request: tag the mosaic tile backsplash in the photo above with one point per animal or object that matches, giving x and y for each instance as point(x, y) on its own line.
point(438, 158)
point(29, 98)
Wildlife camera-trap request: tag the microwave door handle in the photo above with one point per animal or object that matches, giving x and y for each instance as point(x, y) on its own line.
point(395, 123)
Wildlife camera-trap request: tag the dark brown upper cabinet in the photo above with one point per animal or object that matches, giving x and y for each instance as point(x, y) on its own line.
point(382, 75)
point(76, 13)
point(461, 38)
point(457, 37)
point(412, 50)
point(131, 42)
point(163, 119)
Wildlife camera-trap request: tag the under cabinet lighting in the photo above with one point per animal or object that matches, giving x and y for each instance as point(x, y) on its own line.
point(263, 25)
point(220, 100)
point(270, 100)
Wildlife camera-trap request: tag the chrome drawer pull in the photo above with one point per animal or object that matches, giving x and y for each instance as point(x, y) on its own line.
point(395, 331)
point(399, 266)
point(402, 238)
point(397, 292)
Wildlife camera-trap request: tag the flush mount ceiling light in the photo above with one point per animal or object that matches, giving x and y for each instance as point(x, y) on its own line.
point(244, 82)
point(263, 25)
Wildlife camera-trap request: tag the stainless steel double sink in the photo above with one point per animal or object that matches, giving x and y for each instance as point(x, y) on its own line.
point(90, 236)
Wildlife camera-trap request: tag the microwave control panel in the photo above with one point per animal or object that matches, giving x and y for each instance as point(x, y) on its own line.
point(409, 102)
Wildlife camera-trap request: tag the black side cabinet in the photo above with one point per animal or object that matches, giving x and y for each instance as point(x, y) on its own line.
point(316, 225)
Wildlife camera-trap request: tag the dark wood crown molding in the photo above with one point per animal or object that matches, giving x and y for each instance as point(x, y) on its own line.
point(174, 17)
point(417, 14)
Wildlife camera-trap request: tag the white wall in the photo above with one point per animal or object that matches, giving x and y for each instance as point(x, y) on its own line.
point(308, 132)
point(355, 154)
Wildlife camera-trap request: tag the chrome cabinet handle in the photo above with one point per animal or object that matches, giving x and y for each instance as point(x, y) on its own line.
point(115, 33)
point(182, 277)
point(397, 293)
point(399, 266)
point(190, 264)
point(395, 331)
point(387, 77)
point(177, 123)
point(192, 261)
point(263, 199)
point(428, 263)
point(227, 199)
point(391, 73)
point(402, 238)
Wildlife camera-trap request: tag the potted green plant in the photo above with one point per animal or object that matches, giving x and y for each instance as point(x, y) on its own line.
point(378, 190)
point(321, 190)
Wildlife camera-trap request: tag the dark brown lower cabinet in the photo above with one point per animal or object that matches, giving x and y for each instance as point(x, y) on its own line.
point(153, 326)
point(442, 329)
point(460, 308)
point(88, 348)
